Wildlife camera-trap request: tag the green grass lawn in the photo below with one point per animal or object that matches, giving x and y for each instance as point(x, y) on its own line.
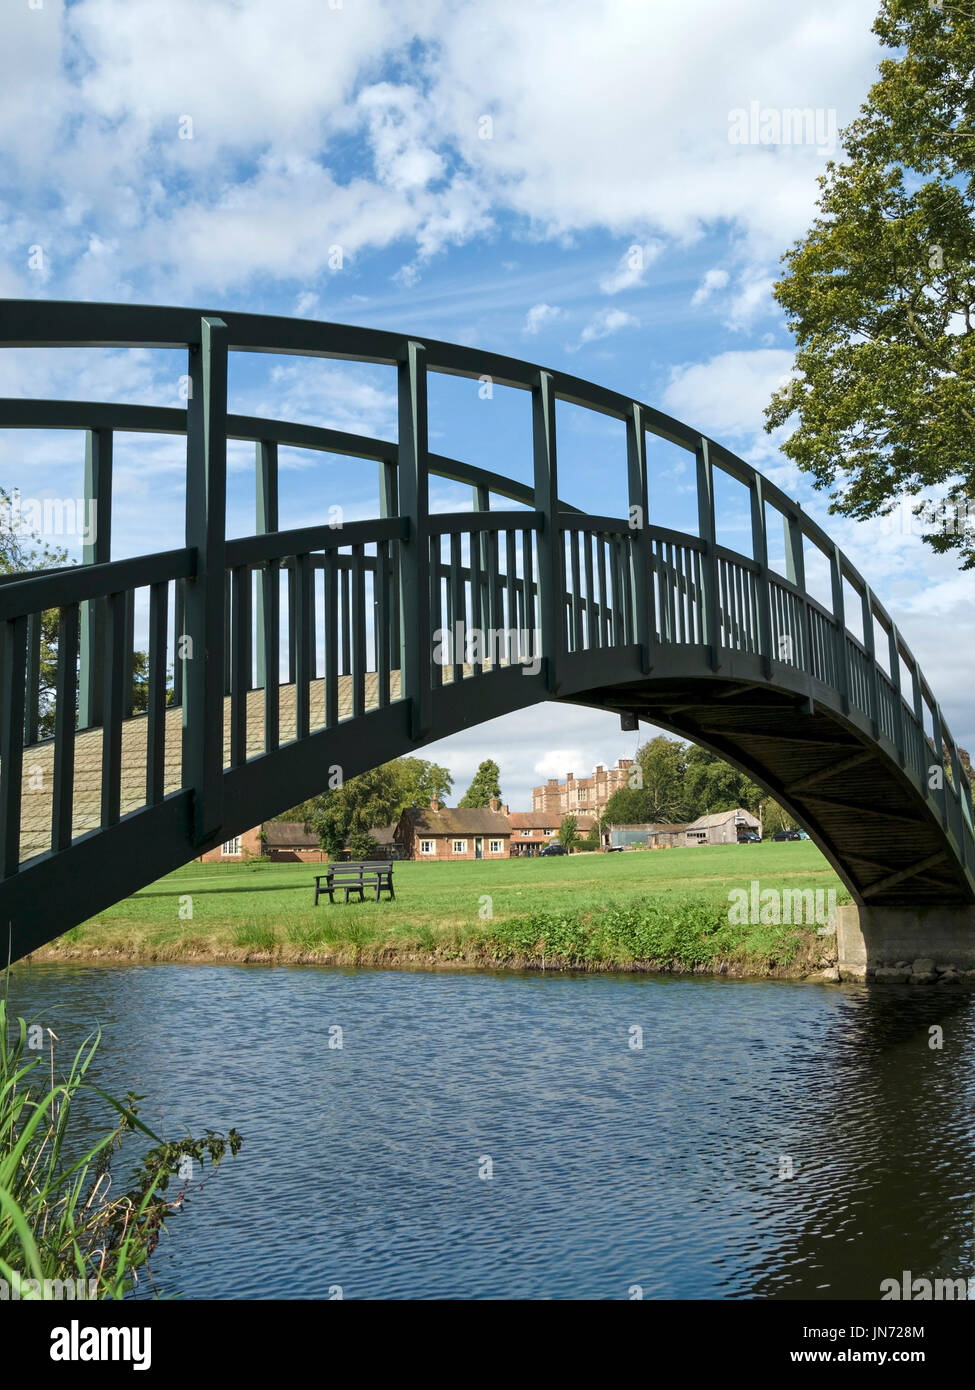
point(592, 909)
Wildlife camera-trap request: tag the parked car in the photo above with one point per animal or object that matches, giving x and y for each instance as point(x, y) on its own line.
point(554, 848)
point(788, 835)
point(749, 837)
point(614, 849)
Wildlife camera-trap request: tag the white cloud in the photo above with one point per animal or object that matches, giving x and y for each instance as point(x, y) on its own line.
point(753, 299)
point(539, 315)
point(727, 395)
point(606, 323)
point(277, 97)
point(631, 268)
point(713, 280)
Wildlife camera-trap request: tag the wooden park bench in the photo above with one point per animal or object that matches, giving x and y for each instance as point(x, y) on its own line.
point(355, 878)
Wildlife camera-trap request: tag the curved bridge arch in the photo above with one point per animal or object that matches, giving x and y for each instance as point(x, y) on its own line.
point(616, 613)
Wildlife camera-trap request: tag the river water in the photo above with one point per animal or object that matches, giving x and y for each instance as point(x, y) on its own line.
point(489, 1135)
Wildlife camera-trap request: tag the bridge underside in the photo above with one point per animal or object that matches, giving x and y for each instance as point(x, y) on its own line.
point(884, 841)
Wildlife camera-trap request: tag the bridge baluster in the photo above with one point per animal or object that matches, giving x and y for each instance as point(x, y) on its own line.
point(156, 694)
point(113, 708)
point(331, 639)
point(478, 556)
point(895, 679)
point(358, 583)
point(62, 803)
point(33, 691)
point(240, 651)
point(870, 644)
point(13, 677)
point(266, 507)
point(269, 618)
point(305, 637)
point(705, 521)
point(603, 614)
point(573, 538)
point(416, 657)
point(842, 682)
point(96, 550)
point(511, 575)
point(551, 552)
point(756, 493)
point(179, 627)
point(381, 599)
point(641, 582)
point(590, 604)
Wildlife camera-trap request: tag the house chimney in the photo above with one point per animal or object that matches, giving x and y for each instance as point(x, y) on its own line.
point(434, 804)
point(505, 810)
point(494, 804)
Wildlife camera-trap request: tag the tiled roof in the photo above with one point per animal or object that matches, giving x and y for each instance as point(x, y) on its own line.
point(290, 834)
point(460, 820)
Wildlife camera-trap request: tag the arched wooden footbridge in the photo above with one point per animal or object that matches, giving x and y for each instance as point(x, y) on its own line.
point(293, 652)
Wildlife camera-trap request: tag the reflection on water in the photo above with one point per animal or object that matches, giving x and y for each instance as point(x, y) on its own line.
point(664, 1167)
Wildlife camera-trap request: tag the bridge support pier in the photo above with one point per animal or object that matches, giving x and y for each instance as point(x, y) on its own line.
point(869, 939)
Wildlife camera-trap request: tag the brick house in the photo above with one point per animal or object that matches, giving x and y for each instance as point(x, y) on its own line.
point(444, 832)
point(581, 795)
point(246, 845)
point(288, 842)
point(531, 831)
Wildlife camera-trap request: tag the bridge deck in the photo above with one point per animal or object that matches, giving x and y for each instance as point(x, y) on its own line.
point(39, 758)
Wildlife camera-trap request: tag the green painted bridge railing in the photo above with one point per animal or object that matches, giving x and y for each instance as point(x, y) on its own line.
point(276, 656)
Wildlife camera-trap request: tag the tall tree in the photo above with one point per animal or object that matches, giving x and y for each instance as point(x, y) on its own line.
point(351, 811)
point(774, 817)
point(569, 835)
point(655, 790)
point(416, 781)
point(714, 785)
point(880, 293)
point(420, 781)
point(484, 784)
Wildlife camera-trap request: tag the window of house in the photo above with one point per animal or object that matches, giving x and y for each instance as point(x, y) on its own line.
point(426, 846)
point(460, 846)
point(526, 832)
point(496, 846)
point(231, 846)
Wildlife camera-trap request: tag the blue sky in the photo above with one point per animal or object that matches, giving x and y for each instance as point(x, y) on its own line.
point(217, 154)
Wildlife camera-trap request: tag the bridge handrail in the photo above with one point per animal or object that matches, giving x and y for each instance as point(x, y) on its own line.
point(77, 583)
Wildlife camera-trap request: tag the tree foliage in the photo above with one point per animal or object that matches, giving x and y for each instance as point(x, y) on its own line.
point(655, 790)
point(484, 784)
point(775, 817)
point(569, 836)
point(880, 293)
point(344, 815)
point(421, 781)
point(673, 782)
point(713, 785)
point(351, 811)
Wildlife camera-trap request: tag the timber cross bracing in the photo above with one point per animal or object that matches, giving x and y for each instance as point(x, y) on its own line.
point(294, 652)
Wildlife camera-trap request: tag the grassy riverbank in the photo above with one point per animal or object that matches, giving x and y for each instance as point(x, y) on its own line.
point(634, 911)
